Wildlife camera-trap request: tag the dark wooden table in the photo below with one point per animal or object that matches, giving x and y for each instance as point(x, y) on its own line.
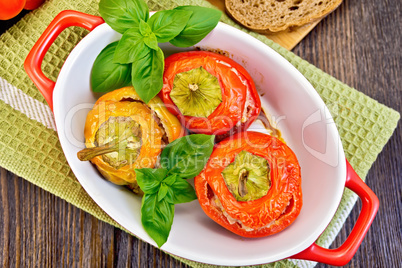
point(360, 44)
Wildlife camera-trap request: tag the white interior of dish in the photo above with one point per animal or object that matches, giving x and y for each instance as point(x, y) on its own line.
point(292, 102)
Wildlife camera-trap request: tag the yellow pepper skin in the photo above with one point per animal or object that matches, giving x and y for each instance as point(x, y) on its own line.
point(125, 102)
point(171, 124)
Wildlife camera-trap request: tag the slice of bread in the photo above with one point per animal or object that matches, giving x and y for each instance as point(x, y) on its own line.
point(269, 16)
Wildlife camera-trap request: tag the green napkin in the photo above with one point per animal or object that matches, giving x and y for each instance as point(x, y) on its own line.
point(29, 145)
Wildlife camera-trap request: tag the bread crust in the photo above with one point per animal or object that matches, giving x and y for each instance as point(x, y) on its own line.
point(270, 16)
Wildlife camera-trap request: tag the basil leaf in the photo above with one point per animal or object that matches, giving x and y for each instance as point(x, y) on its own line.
point(170, 179)
point(157, 217)
point(107, 75)
point(121, 15)
point(130, 47)
point(183, 191)
point(149, 37)
point(187, 156)
point(147, 74)
point(202, 21)
point(145, 29)
point(151, 41)
point(150, 179)
point(169, 196)
point(162, 191)
point(167, 24)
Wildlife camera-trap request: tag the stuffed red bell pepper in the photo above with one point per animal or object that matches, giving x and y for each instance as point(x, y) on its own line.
point(210, 93)
point(251, 185)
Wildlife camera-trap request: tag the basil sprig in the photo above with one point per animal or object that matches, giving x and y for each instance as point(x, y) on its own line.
point(138, 51)
point(166, 186)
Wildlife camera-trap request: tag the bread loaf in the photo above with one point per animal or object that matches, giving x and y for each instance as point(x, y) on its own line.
point(267, 16)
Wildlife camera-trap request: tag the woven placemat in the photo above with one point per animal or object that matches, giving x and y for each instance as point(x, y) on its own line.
point(29, 146)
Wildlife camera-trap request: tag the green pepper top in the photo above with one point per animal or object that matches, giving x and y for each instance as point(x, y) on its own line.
point(247, 177)
point(118, 140)
point(196, 92)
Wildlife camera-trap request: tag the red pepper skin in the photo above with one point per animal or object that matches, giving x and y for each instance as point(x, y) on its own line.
point(278, 208)
point(236, 84)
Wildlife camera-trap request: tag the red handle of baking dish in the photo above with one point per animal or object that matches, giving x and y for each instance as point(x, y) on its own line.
point(35, 57)
point(342, 255)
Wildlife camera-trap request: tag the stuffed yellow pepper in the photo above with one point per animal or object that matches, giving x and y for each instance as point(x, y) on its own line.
point(123, 133)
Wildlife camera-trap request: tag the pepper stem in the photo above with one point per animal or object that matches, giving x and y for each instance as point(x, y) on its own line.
point(243, 176)
point(193, 87)
point(89, 153)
